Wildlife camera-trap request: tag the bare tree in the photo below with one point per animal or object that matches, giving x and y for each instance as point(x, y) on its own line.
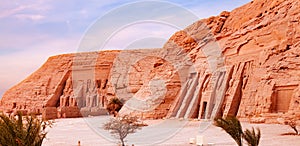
point(293, 124)
point(121, 126)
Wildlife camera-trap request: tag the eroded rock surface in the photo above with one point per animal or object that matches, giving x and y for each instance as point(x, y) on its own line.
point(245, 63)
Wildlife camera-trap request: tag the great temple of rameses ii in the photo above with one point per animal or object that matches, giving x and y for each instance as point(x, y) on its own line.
point(244, 63)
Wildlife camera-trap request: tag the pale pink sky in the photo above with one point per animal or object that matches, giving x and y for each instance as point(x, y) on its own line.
point(31, 31)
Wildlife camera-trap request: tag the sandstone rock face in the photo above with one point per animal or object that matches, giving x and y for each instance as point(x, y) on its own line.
point(265, 43)
point(245, 63)
point(260, 51)
point(155, 82)
point(33, 92)
point(64, 85)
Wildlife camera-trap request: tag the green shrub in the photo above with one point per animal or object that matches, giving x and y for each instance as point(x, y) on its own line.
point(22, 130)
point(114, 105)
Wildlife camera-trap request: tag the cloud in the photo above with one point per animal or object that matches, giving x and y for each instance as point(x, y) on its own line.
point(16, 65)
point(213, 8)
point(131, 14)
point(33, 17)
point(31, 31)
point(11, 9)
point(9, 12)
point(140, 31)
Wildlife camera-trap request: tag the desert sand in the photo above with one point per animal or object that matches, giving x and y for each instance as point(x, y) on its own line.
point(67, 132)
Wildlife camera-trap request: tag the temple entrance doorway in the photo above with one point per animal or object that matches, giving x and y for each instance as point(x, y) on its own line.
point(282, 98)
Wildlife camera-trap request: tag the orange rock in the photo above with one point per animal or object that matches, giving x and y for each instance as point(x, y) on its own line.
point(245, 63)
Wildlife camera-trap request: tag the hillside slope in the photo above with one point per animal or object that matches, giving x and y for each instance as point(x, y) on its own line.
point(245, 62)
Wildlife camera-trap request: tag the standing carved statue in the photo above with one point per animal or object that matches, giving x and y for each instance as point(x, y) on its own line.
point(65, 98)
point(76, 97)
point(91, 96)
point(101, 100)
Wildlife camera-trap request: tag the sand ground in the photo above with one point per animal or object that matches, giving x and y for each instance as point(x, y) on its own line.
point(67, 132)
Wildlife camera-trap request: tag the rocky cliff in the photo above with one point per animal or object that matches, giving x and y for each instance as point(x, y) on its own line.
point(244, 63)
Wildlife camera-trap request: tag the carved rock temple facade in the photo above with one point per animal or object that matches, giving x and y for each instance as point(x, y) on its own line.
point(245, 63)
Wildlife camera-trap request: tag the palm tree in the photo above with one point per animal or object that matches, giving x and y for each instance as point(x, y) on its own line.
point(232, 126)
point(114, 106)
point(21, 131)
point(252, 137)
